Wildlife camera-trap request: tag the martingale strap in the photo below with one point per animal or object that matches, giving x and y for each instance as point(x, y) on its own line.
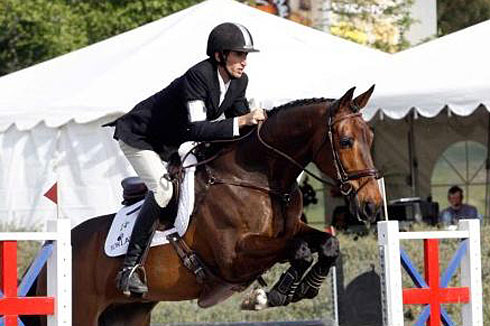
point(189, 258)
point(203, 274)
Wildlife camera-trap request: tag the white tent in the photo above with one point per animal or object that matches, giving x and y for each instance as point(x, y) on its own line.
point(432, 96)
point(450, 71)
point(51, 113)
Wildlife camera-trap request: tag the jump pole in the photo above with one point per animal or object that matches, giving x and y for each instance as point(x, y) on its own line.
point(468, 256)
point(56, 252)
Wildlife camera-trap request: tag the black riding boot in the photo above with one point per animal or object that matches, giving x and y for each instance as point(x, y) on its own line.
point(128, 278)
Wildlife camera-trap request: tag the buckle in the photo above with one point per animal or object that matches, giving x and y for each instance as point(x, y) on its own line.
point(346, 191)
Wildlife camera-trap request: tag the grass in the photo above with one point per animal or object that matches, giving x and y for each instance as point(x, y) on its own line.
point(359, 254)
point(229, 311)
point(26, 250)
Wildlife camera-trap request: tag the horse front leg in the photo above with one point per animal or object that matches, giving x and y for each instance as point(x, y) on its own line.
point(283, 291)
point(328, 249)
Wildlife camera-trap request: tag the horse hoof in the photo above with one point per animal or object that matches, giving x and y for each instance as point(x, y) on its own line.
point(255, 300)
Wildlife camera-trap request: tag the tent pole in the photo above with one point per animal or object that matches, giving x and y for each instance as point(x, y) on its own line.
point(487, 166)
point(412, 157)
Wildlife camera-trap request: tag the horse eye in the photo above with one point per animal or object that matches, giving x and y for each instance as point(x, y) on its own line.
point(346, 142)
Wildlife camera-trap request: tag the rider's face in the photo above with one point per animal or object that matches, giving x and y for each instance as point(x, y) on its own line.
point(236, 62)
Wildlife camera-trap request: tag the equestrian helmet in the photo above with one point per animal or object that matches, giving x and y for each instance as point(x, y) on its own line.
point(230, 37)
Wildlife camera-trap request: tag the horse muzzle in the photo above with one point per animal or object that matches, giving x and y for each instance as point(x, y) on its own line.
point(369, 211)
point(364, 211)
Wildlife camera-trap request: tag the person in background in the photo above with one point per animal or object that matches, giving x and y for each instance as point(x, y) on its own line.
point(457, 210)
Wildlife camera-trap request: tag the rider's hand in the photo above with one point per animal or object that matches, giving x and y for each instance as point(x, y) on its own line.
point(252, 118)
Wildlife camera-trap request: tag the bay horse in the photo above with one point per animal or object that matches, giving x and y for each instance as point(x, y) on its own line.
point(247, 218)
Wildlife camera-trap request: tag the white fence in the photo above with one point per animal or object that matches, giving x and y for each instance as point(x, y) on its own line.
point(59, 282)
point(470, 268)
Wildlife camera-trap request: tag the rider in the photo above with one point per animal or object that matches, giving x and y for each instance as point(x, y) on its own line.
point(206, 103)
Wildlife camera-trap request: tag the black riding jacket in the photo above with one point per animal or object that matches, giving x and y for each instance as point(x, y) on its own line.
point(162, 122)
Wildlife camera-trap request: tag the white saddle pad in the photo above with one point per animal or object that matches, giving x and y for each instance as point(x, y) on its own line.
point(117, 240)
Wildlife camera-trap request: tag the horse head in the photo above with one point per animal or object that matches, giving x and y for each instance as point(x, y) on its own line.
point(344, 154)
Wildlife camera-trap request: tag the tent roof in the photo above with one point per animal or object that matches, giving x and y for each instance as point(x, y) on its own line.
point(450, 71)
point(111, 76)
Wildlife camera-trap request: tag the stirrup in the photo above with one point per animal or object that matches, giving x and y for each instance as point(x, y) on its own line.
point(123, 280)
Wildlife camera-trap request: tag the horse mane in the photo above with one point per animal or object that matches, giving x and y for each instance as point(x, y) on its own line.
point(295, 103)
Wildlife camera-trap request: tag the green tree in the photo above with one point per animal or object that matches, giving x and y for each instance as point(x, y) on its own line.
point(108, 18)
point(381, 24)
point(453, 15)
point(36, 30)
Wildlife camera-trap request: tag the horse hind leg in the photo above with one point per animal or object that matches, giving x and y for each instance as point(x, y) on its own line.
point(283, 291)
point(328, 252)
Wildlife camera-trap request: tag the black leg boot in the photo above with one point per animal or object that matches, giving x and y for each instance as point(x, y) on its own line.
point(128, 279)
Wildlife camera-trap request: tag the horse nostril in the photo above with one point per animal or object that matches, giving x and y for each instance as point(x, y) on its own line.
point(370, 208)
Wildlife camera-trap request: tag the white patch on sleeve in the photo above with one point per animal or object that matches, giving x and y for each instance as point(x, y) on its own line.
point(196, 110)
point(236, 128)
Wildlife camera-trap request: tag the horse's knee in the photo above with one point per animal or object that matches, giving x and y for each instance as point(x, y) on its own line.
point(309, 287)
point(329, 249)
point(299, 251)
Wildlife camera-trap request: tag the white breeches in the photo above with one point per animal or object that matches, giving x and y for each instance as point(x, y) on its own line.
point(151, 169)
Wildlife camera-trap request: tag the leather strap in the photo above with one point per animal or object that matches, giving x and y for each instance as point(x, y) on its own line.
point(189, 258)
point(285, 196)
point(193, 263)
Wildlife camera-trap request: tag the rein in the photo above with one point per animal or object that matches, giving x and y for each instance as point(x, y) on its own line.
point(290, 159)
point(215, 156)
point(285, 196)
point(343, 177)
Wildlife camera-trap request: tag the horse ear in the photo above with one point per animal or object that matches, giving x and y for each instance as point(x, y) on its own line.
point(345, 100)
point(363, 99)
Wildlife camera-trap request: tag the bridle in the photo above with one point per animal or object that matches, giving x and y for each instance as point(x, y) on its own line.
point(343, 176)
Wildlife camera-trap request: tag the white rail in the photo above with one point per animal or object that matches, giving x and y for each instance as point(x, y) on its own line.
point(391, 279)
